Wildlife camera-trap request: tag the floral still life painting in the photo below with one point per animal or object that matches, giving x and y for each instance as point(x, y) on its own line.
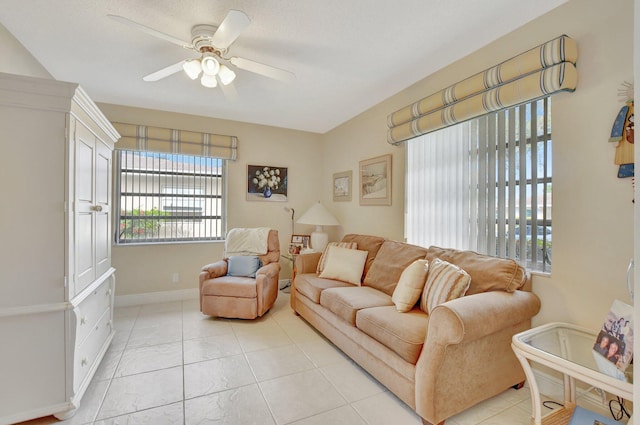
point(266, 183)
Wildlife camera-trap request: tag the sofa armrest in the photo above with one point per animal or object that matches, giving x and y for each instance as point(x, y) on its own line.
point(307, 263)
point(213, 270)
point(467, 353)
point(474, 316)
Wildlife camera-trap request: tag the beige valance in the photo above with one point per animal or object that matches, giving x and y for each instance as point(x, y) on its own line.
point(166, 140)
point(541, 71)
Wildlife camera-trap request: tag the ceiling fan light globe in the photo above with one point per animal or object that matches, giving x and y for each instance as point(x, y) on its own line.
point(192, 68)
point(210, 65)
point(226, 75)
point(208, 81)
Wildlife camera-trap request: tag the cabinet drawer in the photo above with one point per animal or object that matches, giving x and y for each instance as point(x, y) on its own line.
point(91, 309)
point(86, 354)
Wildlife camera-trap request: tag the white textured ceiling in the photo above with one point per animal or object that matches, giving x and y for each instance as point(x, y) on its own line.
point(348, 55)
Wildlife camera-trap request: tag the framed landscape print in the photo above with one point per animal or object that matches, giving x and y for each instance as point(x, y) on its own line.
point(342, 186)
point(375, 181)
point(267, 183)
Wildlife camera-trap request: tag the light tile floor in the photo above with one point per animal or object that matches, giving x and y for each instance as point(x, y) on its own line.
point(169, 364)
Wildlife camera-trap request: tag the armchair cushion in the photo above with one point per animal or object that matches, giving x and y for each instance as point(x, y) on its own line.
point(243, 265)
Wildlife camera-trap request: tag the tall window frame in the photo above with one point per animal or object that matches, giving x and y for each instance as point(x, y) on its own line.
point(168, 198)
point(485, 185)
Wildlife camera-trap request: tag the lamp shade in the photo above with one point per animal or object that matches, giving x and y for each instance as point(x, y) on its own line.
point(318, 216)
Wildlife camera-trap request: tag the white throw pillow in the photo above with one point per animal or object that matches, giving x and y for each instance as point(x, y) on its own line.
point(344, 264)
point(445, 282)
point(410, 285)
point(323, 258)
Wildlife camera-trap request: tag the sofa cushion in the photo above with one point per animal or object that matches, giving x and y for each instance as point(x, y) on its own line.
point(325, 253)
point(410, 286)
point(371, 244)
point(344, 264)
point(445, 282)
point(391, 260)
point(404, 333)
point(345, 302)
point(311, 286)
point(487, 273)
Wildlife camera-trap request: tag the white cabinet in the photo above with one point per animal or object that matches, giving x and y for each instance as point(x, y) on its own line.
point(56, 280)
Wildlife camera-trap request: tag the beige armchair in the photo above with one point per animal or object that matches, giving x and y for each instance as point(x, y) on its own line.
point(238, 296)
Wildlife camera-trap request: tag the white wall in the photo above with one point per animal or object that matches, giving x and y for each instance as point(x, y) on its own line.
point(149, 268)
point(15, 59)
point(592, 209)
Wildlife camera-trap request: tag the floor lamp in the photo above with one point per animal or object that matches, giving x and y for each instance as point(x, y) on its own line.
point(318, 216)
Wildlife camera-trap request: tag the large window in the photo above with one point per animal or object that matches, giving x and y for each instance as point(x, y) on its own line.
point(168, 197)
point(485, 185)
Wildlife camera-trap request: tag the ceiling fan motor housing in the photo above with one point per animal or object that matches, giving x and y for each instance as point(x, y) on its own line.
point(201, 39)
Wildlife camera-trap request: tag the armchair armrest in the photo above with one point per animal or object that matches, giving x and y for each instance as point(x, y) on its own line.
point(307, 263)
point(213, 270)
point(270, 271)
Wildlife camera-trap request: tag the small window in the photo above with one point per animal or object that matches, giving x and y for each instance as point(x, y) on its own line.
point(165, 198)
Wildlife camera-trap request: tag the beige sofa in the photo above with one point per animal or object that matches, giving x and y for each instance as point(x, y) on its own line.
point(438, 364)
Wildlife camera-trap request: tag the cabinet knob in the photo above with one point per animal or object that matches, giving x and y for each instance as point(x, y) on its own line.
point(96, 208)
point(84, 362)
point(83, 320)
point(109, 291)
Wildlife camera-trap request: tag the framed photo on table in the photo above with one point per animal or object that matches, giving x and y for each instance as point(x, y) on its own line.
point(375, 181)
point(342, 186)
point(299, 242)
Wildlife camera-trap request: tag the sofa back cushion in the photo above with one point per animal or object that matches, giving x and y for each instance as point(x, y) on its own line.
point(487, 273)
point(371, 244)
point(392, 258)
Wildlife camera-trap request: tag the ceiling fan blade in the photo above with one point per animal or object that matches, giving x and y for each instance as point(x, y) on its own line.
point(151, 31)
point(262, 69)
point(234, 23)
point(164, 72)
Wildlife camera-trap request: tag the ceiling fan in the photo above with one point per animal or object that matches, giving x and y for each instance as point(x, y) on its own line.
point(212, 43)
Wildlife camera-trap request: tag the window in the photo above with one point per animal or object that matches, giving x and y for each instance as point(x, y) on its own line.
point(168, 197)
point(485, 185)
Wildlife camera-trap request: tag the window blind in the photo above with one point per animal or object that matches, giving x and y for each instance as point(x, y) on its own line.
point(546, 69)
point(166, 140)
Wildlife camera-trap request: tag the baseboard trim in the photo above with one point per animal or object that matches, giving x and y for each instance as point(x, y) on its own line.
point(156, 297)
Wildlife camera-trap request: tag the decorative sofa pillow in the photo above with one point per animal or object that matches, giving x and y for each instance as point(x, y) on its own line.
point(445, 282)
point(323, 258)
point(487, 273)
point(243, 265)
point(344, 264)
point(410, 286)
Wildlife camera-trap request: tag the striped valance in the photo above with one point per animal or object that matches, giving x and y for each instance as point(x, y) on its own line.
point(166, 140)
point(543, 70)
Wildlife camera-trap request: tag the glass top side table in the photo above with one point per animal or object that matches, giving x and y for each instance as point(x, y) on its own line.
point(569, 350)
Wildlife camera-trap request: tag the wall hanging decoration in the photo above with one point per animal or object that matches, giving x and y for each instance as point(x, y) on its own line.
point(622, 133)
point(375, 181)
point(342, 186)
point(266, 183)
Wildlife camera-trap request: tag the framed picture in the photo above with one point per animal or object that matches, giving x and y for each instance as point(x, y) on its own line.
point(375, 181)
point(302, 240)
point(267, 183)
point(294, 249)
point(342, 186)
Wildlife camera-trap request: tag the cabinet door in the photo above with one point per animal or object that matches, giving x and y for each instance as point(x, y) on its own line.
point(103, 208)
point(85, 205)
